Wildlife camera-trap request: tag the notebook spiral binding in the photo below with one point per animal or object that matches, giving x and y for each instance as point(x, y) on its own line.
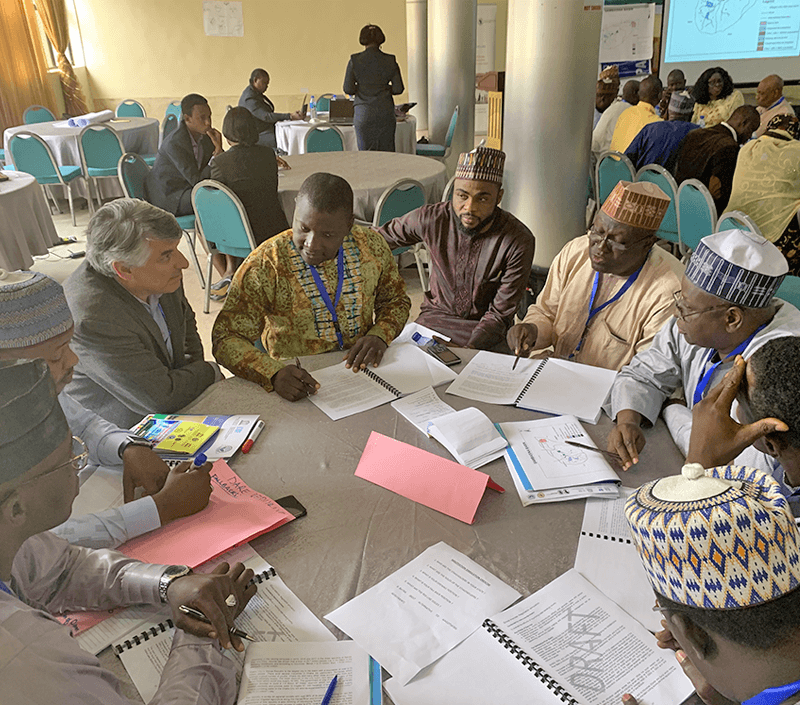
point(372, 375)
point(529, 663)
point(167, 624)
point(531, 380)
point(615, 539)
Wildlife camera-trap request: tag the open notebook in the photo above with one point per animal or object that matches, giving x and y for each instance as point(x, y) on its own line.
point(405, 369)
point(551, 385)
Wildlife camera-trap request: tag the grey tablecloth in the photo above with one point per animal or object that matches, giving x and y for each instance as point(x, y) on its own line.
point(368, 173)
point(26, 226)
point(291, 135)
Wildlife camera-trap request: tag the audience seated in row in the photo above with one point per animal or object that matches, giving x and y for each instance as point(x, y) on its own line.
point(604, 130)
point(637, 116)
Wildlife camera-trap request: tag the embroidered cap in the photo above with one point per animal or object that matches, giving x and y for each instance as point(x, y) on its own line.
point(738, 266)
point(639, 204)
point(681, 103)
point(722, 538)
point(610, 74)
point(32, 424)
point(481, 164)
point(33, 309)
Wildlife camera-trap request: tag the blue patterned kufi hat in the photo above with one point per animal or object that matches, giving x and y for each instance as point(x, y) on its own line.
point(721, 538)
point(33, 309)
point(738, 266)
point(481, 164)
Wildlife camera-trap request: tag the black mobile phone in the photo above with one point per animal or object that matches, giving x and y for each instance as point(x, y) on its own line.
point(443, 354)
point(292, 505)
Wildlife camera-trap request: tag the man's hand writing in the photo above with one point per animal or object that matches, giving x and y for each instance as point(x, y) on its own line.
point(141, 467)
point(627, 439)
point(521, 338)
point(294, 383)
point(186, 491)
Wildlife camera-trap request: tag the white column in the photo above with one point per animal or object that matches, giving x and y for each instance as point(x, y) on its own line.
point(451, 73)
point(551, 71)
point(417, 42)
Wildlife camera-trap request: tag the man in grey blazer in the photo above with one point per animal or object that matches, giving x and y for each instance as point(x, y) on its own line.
point(262, 108)
point(135, 332)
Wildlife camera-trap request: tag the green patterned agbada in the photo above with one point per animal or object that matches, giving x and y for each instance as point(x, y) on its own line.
point(273, 297)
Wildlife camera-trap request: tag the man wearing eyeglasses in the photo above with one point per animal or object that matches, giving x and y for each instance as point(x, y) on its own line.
point(607, 294)
point(41, 574)
point(725, 307)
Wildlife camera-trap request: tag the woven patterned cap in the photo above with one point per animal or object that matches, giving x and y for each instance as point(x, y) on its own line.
point(738, 266)
point(731, 547)
point(639, 204)
point(610, 74)
point(33, 309)
point(481, 164)
point(681, 103)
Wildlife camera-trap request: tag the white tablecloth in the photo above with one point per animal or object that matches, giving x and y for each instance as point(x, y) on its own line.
point(368, 173)
point(139, 135)
point(291, 134)
point(26, 226)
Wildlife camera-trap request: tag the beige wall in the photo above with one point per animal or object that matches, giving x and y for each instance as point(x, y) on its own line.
point(156, 50)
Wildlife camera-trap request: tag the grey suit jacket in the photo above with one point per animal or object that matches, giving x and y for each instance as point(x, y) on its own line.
point(124, 370)
point(262, 109)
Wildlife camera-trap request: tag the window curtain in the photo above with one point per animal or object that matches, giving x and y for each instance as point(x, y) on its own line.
point(53, 14)
point(23, 69)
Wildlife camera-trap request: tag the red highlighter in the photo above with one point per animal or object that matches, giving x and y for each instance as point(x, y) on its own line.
point(253, 437)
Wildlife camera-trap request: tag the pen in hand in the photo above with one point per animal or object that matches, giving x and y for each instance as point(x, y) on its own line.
point(607, 453)
point(202, 618)
point(312, 389)
point(516, 360)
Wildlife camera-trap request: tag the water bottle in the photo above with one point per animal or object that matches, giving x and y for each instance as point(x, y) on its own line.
point(702, 121)
point(312, 108)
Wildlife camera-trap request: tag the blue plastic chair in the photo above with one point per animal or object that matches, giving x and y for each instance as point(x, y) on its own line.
point(31, 154)
point(174, 108)
point(440, 151)
point(223, 223)
point(100, 148)
point(697, 214)
point(400, 198)
point(737, 220)
point(658, 175)
point(789, 290)
point(324, 138)
point(130, 108)
point(37, 113)
point(170, 123)
point(612, 167)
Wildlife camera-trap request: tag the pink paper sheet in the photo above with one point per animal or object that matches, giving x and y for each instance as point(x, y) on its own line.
point(426, 478)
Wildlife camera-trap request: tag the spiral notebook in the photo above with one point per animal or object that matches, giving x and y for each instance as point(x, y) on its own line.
point(567, 643)
point(404, 369)
point(551, 385)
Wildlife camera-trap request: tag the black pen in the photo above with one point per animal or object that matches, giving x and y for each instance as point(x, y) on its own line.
point(312, 387)
point(607, 453)
point(202, 618)
point(516, 360)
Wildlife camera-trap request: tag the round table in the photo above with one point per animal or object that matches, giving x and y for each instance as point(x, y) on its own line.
point(368, 173)
point(26, 225)
point(291, 135)
point(138, 135)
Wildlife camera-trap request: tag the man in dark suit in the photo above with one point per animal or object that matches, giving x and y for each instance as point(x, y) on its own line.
point(135, 332)
point(183, 158)
point(262, 108)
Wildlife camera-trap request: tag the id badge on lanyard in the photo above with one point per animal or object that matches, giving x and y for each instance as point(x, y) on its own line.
point(326, 299)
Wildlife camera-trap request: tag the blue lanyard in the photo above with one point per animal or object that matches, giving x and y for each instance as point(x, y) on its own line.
point(323, 292)
point(702, 385)
point(776, 103)
point(773, 696)
point(6, 589)
point(594, 311)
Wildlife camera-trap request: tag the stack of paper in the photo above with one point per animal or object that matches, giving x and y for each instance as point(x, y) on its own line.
point(469, 436)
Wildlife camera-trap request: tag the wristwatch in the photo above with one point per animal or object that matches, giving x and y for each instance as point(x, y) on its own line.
point(133, 440)
point(172, 573)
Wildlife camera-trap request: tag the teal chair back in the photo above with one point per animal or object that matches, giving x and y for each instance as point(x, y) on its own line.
point(100, 147)
point(697, 214)
point(222, 219)
point(174, 108)
point(658, 175)
point(37, 113)
point(736, 220)
point(170, 123)
point(451, 130)
point(324, 102)
point(132, 171)
point(31, 154)
point(612, 167)
point(324, 139)
point(400, 198)
point(130, 108)
point(789, 290)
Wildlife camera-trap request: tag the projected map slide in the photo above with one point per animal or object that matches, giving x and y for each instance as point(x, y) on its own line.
point(715, 30)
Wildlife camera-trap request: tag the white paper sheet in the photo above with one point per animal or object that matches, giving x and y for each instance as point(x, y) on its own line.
point(411, 328)
point(423, 610)
point(469, 436)
point(488, 377)
point(422, 408)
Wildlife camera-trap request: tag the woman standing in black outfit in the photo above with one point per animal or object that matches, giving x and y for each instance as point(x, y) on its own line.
point(373, 77)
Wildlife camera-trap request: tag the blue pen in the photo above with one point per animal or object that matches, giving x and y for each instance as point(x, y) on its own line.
point(329, 691)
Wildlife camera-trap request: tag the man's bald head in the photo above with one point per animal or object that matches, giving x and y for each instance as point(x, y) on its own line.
point(630, 92)
point(650, 90)
point(745, 120)
point(769, 90)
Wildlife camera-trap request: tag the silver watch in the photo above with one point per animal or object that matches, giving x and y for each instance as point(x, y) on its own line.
point(172, 573)
point(133, 440)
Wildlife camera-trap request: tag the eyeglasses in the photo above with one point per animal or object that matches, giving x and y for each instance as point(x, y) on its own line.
point(616, 247)
point(683, 314)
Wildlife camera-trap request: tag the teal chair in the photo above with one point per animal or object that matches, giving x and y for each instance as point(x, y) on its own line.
point(170, 123)
point(130, 108)
point(658, 175)
point(174, 108)
point(31, 154)
point(612, 167)
point(697, 214)
point(447, 194)
point(736, 220)
point(440, 151)
point(789, 290)
point(37, 113)
point(223, 224)
point(324, 138)
point(400, 198)
point(324, 102)
point(132, 173)
point(101, 149)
